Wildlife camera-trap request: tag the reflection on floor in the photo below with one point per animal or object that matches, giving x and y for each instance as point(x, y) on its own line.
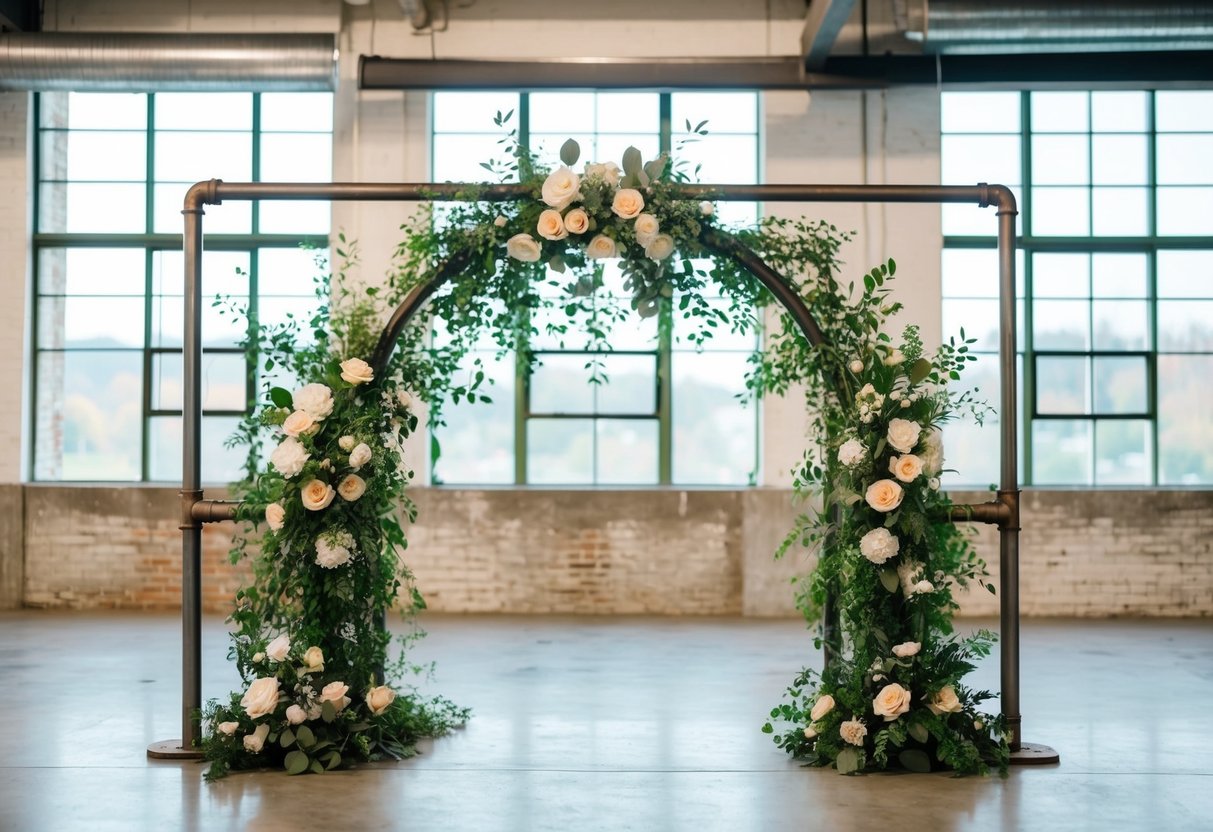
point(602, 724)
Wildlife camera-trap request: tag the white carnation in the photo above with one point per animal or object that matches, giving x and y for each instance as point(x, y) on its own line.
point(852, 452)
point(879, 545)
point(315, 399)
point(289, 457)
point(334, 549)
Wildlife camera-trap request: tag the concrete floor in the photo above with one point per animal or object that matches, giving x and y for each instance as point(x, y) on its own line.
point(602, 724)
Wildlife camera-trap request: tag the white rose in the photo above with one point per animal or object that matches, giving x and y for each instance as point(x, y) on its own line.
point(295, 715)
point(908, 574)
point(879, 545)
point(892, 701)
point(313, 660)
point(316, 495)
point(261, 697)
point(228, 728)
point(275, 516)
point(628, 203)
point(945, 701)
point(646, 228)
point(608, 172)
point(907, 649)
point(523, 247)
point(560, 188)
point(932, 452)
point(289, 457)
point(500, 221)
point(856, 366)
point(933, 483)
point(314, 399)
point(335, 692)
point(278, 648)
point(851, 452)
point(706, 208)
point(884, 495)
point(905, 403)
point(661, 247)
point(300, 423)
point(905, 468)
point(903, 434)
point(360, 456)
point(576, 221)
point(356, 371)
point(551, 225)
point(378, 699)
point(351, 488)
point(924, 586)
point(334, 550)
point(823, 705)
point(853, 731)
point(600, 248)
point(894, 358)
point(255, 741)
point(346, 443)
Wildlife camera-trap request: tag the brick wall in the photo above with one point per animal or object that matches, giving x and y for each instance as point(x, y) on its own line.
point(1113, 553)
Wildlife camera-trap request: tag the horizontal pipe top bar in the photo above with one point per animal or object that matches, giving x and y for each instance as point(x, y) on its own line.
point(214, 191)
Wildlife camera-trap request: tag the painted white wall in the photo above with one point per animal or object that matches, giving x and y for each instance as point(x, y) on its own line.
point(847, 137)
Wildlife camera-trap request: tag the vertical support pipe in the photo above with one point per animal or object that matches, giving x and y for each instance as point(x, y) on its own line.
point(1008, 492)
point(191, 475)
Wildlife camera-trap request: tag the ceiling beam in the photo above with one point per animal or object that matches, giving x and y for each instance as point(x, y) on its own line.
point(19, 15)
point(822, 24)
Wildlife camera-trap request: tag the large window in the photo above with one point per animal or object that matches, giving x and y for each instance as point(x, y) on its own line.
point(670, 413)
point(1116, 263)
point(112, 173)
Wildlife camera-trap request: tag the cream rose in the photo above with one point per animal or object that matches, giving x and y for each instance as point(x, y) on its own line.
point(810, 732)
point(601, 248)
point(856, 366)
point(335, 692)
point(289, 457)
point(360, 456)
point(577, 221)
point(892, 701)
point(551, 225)
point(275, 516)
point(351, 488)
point(853, 731)
point(661, 247)
point(316, 495)
point(406, 400)
point(823, 705)
point(228, 728)
point(903, 434)
point(300, 423)
point(878, 545)
point(907, 649)
point(261, 697)
point(628, 203)
point(608, 172)
point(356, 371)
point(851, 452)
point(500, 221)
point(906, 468)
point(945, 701)
point(295, 715)
point(315, 399)
point(523, 247)
point(560, 188)
point(646, 228)
point(706, 208)
point(279, 648)
point(333, 550)
point(884, 495)
point(378, 699)
point(347, 443)
point(255, 741)
point(313, 660)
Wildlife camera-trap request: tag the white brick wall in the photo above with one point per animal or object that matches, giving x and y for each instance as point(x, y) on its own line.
point(14, 271)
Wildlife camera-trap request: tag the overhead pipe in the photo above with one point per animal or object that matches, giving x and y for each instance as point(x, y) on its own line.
point(168, 62)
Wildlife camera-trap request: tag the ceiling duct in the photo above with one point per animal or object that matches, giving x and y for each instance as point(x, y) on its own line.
point(981, 27)
point(150, 62)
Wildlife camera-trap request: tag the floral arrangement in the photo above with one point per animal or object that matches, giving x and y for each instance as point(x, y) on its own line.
point(310, 640)
point(891, 556)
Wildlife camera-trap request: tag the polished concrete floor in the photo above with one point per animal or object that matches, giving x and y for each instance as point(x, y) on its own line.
point(602, 724)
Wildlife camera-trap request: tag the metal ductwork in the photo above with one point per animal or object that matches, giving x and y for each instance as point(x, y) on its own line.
point(982, 27)
point(150, 62)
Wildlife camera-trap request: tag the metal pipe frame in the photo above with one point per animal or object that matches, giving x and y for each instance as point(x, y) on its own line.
point(1003, 511)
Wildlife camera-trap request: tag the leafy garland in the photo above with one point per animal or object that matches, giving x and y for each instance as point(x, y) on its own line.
point(308, 640)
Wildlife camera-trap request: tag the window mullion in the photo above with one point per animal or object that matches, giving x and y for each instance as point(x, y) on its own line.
point(1028, 400)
